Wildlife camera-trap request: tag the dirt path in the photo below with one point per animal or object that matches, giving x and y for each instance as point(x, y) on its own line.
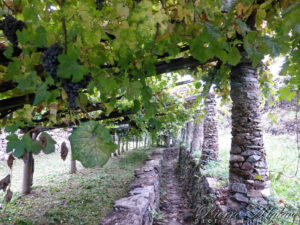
point(173, 204)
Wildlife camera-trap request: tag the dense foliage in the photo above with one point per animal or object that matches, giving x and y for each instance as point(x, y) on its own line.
point(106, 58)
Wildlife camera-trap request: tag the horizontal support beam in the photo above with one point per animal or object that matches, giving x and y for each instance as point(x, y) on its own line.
point(161, 67)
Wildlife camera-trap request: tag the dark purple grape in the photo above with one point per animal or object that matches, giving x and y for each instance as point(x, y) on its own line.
point(10, 25)
point(50, 63)
point(50, 60)
point(72, 89)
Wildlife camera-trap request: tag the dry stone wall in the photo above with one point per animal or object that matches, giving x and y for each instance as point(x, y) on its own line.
point(143, 199)
point(206, 198)
point(197, 134)
point(210, 147)
point(189, 133)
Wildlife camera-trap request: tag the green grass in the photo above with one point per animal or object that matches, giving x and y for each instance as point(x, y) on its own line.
point(61, 198)
point(282, 155)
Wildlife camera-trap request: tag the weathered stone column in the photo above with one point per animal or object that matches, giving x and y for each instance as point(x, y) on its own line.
point(197, 134)
point(145, 140)
point(248, 175)
point(210, 147)
point(182, 134)
point(167, 140)
point(175, 139)
point(189, 134)
point(119, 143)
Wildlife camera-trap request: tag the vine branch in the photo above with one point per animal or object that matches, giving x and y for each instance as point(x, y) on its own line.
point(7, 6)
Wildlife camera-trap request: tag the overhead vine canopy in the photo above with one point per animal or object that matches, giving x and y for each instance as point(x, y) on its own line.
point(67, 60)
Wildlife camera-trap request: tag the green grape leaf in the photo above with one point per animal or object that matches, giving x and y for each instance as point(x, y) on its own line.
point(243, 26)
point(260, 16)
point(13, 70)
point(234, 56)
point(29, 82)
point(108, 108)
point(47, 142)
point(12, 128)
point(291, 18)
point(134, 89)
point(8, 52)
point(30, 13)
point(40, 39)
point(199, 50)
point(251, 44)
point(24, 36)
point(91, 144)
point(285, 93)
point(136, 105)
point(92, 37)
point(20, 147)
point(154, 123)
point(14, 143)
point(69, 67)
point(150, 109)
point(31, 145)
point(41, 95)
point(269, 46)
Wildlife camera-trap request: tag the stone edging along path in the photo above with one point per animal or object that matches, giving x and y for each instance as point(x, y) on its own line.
point(144, 196)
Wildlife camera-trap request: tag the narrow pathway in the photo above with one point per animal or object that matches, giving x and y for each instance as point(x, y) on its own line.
point(173, 204)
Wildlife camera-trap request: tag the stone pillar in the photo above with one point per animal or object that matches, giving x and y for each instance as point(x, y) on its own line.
point(175, 139)
point(167, 141)
point(182, 134)
point(127, 145)
point(122, 144)
point(210, 147)
point(248, 174)
point(119, 143)
point(137, 142)
point(73, 167)
point(189, 134)
point(197, 134)
point(145, 140)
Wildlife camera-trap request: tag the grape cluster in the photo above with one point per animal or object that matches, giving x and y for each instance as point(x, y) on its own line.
point(73, 88)
point(50, 64)
point(10, 25)
point(72, 91)
point(50, 60)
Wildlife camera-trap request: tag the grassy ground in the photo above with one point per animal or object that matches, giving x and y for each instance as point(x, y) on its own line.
point(282, 157)
point(61, 198)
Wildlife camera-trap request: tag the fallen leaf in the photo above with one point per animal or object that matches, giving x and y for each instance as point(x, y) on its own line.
point(10, 160)
point(64, 151)
point(4, 182)
point(43, 141)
